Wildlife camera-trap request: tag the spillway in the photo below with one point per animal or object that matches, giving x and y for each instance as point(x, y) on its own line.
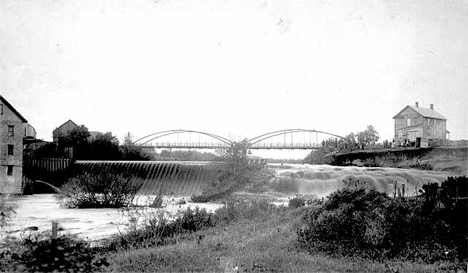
point(178, 178)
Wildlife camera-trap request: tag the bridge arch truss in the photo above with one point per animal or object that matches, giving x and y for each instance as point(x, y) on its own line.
point(256, 142)
point(151, 140)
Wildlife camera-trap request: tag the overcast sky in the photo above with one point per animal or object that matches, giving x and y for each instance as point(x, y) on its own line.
point(236, 68)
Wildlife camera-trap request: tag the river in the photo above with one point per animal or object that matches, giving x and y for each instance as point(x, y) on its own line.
point(312, 181)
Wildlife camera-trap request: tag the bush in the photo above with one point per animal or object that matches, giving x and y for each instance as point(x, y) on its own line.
point(242, 208)
point(296, 202)
point(98, 190)
point(372, 225)
point(225, 185)
point(63, 254)
point(424, 166)
point(159, 231)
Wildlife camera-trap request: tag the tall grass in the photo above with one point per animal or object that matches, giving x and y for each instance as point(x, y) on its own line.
point(159, 230)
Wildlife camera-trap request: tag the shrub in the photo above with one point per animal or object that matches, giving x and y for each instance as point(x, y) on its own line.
point(372, 225)
point(242, 208)
point(101, 190)
point(296, 202)
point(423, 166)
point(225, 185)
point(159, 231)
point(37, 254)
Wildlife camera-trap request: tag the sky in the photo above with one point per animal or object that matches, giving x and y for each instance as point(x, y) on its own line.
point(235, 68)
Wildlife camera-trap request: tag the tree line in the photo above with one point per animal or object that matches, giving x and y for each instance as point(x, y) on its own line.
point(79, 144)
point(362, 140)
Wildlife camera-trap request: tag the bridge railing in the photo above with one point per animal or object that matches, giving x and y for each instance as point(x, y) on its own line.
point(186, 145)
point(208, 145)
point(304, 146)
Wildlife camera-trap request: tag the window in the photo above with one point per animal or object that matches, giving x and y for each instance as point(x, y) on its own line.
point(1, 109)
point(10, 149)
point(408, 122)
point(428, 122)
point(11, 130)
point(9, 170)
point(435, 122)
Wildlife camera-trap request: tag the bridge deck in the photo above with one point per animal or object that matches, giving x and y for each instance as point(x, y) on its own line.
point(257, 146)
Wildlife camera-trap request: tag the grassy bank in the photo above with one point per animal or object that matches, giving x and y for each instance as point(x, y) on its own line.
point(250, 246)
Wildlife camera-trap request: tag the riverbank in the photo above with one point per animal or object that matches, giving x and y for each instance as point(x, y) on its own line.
point(453, 160)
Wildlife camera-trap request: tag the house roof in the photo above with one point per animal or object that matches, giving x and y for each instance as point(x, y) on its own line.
point(68, 121)
point(423, 111)
point(12, 109)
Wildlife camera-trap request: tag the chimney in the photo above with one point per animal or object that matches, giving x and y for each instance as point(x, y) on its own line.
point(432, 106)
point(417, 104)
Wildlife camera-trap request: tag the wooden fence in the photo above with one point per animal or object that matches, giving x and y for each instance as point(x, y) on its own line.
point(49, 164)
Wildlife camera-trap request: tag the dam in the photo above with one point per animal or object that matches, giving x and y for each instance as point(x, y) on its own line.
point(176, 178)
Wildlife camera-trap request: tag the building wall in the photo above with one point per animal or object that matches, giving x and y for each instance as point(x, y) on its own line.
point(29, 131)
point(420, 127)
point(403, 131)
point(11, 183)
point(435, 128)
point(64, 129)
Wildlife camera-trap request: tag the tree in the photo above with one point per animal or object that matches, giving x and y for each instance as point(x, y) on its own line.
point(368, 137)
point(351, 141)
point(72, 142)
point(129, 151)
point(102, 147)
point(237, 156)
point(74, 137)
point(128, 140)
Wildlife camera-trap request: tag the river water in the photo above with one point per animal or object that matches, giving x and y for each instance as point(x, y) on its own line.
point(312, 181)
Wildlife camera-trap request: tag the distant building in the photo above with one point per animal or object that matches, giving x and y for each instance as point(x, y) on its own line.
point(93, 135)
point(63, 129)
point(29, 133)
point(14, 130)
point(419, 125)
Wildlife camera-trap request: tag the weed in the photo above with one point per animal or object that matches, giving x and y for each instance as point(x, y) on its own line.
point(38, 253)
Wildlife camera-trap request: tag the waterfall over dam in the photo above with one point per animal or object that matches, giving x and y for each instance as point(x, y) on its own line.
point(321, 180)
point(178, 178)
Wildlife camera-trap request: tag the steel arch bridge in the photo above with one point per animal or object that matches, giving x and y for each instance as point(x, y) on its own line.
point(155, 140)
point(148, 141)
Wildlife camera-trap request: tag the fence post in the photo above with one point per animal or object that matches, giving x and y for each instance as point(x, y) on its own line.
point(54, 229)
